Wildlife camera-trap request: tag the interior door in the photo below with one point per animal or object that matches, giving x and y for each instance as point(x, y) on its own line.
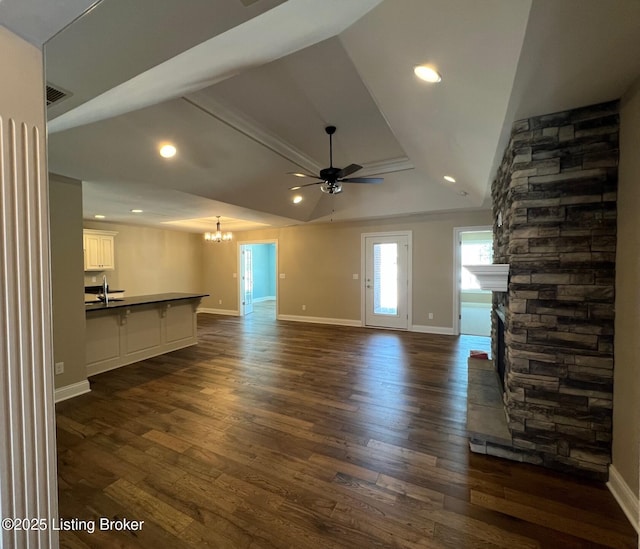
point(387, 281)
point(247, 280)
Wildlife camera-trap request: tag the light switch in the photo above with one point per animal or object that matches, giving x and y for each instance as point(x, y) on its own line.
point(282, 275)
point(356, 276)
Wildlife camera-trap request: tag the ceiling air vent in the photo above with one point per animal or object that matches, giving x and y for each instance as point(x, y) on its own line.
point(55, 94)
point(247, 3)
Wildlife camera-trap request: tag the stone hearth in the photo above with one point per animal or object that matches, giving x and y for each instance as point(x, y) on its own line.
point(486, 418)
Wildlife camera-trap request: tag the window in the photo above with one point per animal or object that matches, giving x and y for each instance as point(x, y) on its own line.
point(476, 249)
point(385, 278)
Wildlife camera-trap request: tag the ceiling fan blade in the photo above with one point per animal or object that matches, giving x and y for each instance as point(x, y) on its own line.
point(330, 178)
point(302, 174)
point(351, 168)
point(303, 186)
point(362, 180)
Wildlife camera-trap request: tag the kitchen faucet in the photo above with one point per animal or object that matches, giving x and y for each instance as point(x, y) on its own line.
point(105, 290)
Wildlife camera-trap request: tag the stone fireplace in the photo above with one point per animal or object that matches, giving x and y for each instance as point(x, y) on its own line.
point(499, 347)
point(554, 201)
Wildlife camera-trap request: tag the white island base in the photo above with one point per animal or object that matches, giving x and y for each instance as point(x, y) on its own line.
point(135, 329)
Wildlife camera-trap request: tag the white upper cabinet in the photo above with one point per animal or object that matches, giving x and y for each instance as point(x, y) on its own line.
point(99, 250)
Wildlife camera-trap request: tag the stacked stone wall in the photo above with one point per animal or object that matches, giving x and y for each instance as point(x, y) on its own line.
point(554, 202)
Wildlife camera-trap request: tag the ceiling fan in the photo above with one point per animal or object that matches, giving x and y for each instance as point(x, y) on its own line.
point(331, 179)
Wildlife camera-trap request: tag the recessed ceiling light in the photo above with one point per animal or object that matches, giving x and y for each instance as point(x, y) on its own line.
point(449, 179)
point(167, 151)
point(297, 199)
point(136, 211)
point(427, 73)
point(463, 193)
point(99, 216)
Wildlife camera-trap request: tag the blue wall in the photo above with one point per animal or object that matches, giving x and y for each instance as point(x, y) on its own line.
point(264, 270)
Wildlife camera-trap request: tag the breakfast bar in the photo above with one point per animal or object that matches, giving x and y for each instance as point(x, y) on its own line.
point(130, 329)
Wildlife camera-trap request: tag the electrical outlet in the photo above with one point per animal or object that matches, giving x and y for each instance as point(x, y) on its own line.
point(430, 316)
point(59, 368)
point(304, 307)
point(94, 279)
point(219, 301)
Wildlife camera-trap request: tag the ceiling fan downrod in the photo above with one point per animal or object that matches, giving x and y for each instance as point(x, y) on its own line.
point(330, 131)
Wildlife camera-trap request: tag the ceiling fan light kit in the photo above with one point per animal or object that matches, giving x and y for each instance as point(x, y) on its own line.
point(331, 188)
point(331, 179)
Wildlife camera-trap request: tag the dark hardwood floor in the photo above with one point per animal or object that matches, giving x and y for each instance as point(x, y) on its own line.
point(277, 434)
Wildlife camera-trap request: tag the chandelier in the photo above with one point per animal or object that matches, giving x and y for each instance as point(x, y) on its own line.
point(218, 236)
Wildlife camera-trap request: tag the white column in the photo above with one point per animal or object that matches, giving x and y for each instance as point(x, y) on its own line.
point(28, 484)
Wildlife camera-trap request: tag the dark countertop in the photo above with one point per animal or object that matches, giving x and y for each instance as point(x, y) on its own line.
point(142, 300)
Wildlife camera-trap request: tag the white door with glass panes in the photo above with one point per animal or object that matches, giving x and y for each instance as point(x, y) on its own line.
point(386, 284)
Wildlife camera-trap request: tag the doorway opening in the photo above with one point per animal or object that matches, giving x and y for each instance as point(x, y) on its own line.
point(257, 283)
point(472, 307)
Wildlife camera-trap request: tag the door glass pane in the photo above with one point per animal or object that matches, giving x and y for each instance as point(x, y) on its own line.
point(248, 277)
point(385, 279)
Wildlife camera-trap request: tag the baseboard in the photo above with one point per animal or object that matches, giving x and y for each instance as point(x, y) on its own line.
point(439, 330)
point(625, 497)
point(357, 323)
point(265, 298)
point(227, 312)
point(73, 390)
point(321, 320)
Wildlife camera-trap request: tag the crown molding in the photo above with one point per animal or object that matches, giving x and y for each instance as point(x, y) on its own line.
point(254, 131)
point(391, 165)
point(248, 127)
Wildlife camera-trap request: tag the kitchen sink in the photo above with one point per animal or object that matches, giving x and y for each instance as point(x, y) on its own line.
point(94, 301)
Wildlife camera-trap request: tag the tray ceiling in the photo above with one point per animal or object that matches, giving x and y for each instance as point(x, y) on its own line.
point(245, 89)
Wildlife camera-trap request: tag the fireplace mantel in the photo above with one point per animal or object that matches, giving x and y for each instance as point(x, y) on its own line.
point(491, 277)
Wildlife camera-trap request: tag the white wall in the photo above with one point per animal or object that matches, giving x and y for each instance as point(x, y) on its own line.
point(626, 389)
point(65, 205)
point(319, 261)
